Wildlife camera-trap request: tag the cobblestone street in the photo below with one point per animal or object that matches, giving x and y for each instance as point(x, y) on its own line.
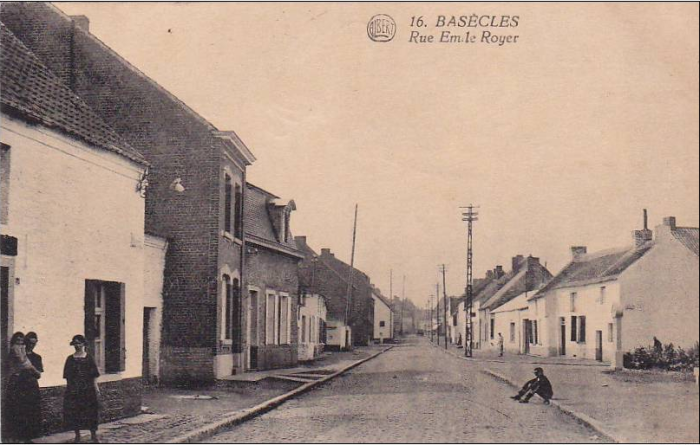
point(413, 393)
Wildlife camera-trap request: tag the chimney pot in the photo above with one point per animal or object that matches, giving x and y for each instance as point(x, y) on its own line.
point(578, 251)
point(326, 252)
point(82, 22)
point(670, 221)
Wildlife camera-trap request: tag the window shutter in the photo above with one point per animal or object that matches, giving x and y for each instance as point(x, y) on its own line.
point(227, 203)
point(235, 302)
point(89, 325)
point(115, 338)
point(574, 329)
point(582, 323)
point(238, 212)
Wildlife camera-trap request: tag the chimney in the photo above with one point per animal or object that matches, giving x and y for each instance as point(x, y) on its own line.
point(82, 22)
point(517, 262)
point(578, 251)
point(489, 274)
point(670, 221)
point(643, 236)
point(327, 253)
point(532, 260)
point(498, 271)
point(301, 240)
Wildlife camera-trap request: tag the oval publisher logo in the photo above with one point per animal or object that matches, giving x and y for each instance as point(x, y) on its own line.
point(381, 28)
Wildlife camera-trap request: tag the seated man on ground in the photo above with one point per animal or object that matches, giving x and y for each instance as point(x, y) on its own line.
point(540, 385)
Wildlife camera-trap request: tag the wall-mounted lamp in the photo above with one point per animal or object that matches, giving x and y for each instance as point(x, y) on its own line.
point(177, 185)
point(142, 184)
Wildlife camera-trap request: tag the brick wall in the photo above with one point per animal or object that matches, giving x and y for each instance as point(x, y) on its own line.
point(119, 399)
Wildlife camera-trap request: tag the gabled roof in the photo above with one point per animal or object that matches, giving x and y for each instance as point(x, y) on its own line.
point(258, 222)
point(518, 303)
point(596, 267)
point(688, 236)
point(530, 276)
point(379, 295)
point(31, 91)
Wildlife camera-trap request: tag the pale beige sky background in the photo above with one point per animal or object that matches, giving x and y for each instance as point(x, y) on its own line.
point(562, 138)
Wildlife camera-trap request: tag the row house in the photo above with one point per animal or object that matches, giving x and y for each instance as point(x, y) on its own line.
point(527, 275)
point(383, 317)
point(196, 178)
point(271, 304)
point(312, 326)
point(348, 294)
point(72, 260)
point(606, 303)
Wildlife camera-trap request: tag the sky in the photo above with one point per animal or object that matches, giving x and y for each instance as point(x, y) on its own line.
point(561, 137)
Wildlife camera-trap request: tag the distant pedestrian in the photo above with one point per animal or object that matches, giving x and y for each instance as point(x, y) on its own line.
point(22, 409)
point(80, 406)
point(500, 345)
point(540, 385)
point(658, 347)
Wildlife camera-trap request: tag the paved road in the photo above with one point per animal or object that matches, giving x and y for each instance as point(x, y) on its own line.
point(413, 393)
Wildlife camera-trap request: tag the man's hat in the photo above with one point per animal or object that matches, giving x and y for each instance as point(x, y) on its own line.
point(539, 369)
point(78, 339)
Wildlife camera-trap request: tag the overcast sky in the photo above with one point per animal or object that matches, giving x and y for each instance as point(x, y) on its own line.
point(562, 138)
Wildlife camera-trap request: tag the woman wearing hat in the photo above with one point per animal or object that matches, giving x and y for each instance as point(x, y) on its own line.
point(21, 413)
point(80, 408)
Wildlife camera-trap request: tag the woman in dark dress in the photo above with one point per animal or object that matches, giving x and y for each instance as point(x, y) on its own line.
point(80, 407)
point(22, 409)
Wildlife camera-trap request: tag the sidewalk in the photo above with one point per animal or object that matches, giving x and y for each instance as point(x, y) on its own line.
point(630, 406)
point(172, 413)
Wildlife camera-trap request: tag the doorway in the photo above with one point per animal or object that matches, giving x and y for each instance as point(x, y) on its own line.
point(562, 342)
point(6, 307)
point(252, 329)
point(599, 345)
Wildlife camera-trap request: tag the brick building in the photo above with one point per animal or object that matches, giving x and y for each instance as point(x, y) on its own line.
point(330, 277)
point(272, 300)
point(72, 261)
point(196, 183)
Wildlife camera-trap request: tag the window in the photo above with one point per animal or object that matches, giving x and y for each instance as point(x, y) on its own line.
point(238, 212)
point(492, 327)
point(226, 307)
point(283, 320)
point(104, 324)
point(610, 333)
point(578, 329)
point(382, 324)
point(601, 299)
point(512, 332)
point(572, 302)
point(4, 182)
point(303, 328)
point(535, 338)
point(228, 197)
point(270, 319)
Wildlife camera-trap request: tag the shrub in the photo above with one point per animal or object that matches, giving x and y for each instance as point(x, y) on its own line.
point(668, 358)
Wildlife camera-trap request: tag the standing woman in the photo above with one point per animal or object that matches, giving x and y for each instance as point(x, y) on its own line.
point(80, 408)
point(21, 393)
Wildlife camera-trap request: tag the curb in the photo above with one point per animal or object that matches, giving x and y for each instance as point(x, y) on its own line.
point(239, 417)
point(581, 418)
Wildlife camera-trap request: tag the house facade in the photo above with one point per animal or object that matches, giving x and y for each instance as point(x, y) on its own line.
point(271, 303)
point(72, 261)
point(196, 181)
point(383, 317)
point(606, 303)
point(312, 326)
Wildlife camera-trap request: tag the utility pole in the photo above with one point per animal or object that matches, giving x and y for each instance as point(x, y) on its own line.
point(444, 301)
point(431, 319)
point(391, 296)
point(469, 215)
point(352, 270)
point(437, 312)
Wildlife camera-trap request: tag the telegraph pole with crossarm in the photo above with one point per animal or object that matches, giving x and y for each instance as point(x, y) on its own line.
point(469, 215)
